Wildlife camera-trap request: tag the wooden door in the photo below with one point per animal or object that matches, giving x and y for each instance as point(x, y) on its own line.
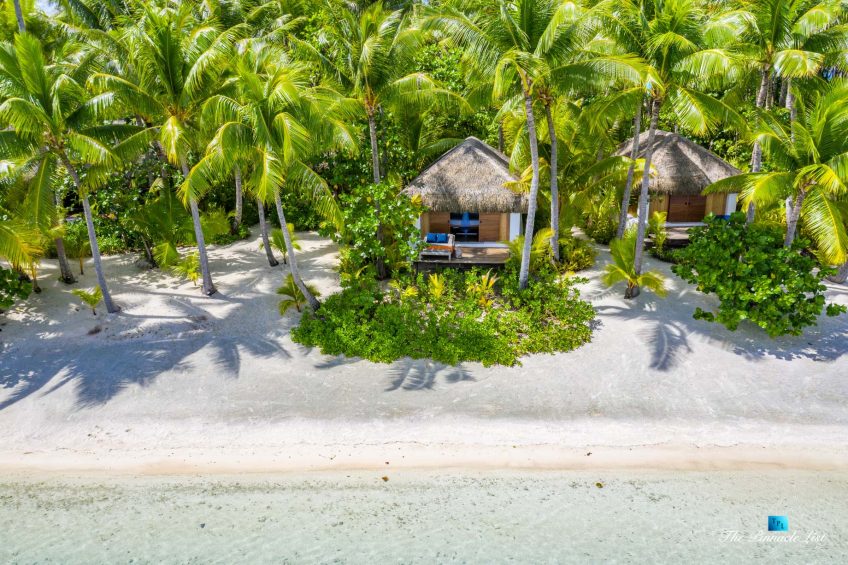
point(490, 227)
point(686, 208)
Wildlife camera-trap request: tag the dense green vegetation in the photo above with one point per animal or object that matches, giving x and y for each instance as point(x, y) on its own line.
point(151, 126)
point(452, 317)
point(755, 276)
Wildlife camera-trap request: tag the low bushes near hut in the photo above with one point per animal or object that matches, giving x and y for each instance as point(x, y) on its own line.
point(575, 254)
point(451, 317)
point(755, 276)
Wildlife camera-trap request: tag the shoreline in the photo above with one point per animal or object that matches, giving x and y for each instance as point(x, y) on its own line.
point(209, 449)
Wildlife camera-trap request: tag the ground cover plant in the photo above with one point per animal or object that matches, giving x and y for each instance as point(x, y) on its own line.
point(451, 317)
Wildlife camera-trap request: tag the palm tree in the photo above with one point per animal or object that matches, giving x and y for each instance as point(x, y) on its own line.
point(510, 42)
point(670, 36)
point(177, 65)
point(811, 162)
point(623, 268)
point(270, 121)
point(366, 51)
point(787, 40)
point(54, 122)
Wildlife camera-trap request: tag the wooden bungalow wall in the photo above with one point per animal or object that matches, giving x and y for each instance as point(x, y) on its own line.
point(493, 227)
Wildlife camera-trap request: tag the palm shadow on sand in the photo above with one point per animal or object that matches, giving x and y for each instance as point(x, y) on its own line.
point(100, 367)
point(668, 337)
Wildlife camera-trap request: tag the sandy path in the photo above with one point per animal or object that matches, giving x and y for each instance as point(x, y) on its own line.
point(178, 381)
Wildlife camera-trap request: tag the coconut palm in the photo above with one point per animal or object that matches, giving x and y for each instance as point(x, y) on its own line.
point(509, 42)
point(177, 64)
point(369, 49)
point(623, 268)
point(786, 40)
point(271, 121)
point(810, 158)
point(293, 295)
point(53, 121)
point(670, 35)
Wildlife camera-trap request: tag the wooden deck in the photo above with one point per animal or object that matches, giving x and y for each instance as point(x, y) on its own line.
point(488, 257)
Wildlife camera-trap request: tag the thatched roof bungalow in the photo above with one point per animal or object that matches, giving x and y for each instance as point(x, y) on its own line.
point(684, 169)
point(465, 195)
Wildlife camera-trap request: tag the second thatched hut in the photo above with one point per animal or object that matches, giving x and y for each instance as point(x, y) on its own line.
point(683, 170)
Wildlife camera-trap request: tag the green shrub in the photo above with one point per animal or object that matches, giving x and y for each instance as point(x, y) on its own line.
point(450, 317)
point(12, 288)
point(229, 237)
point(401, 239)
point(754, 276)
point(575, 254)
point(601, 229)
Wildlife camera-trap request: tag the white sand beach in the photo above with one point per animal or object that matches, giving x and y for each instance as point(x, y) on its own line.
point(182, 383)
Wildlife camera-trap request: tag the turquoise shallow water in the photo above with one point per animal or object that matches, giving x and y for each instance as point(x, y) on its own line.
point(418, 517)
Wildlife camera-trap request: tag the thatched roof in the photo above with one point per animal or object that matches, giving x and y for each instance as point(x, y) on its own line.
point(682, 166)
point(470, 177)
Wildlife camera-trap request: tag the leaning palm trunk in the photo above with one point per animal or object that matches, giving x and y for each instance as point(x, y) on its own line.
point(239, 201)
point(631, 170)
point(554, 186)
point(380, 264)
point(643, 195)
point(207, 287)
point(92, 237)
point(841, 275)
point(295, 273)
point(66, 275)
point(524, 271)
point(263, 227)
point(757, 153)
point(19, 14)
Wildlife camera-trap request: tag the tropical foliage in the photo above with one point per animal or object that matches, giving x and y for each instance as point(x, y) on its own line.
point(162, 127)
point(755, 276)
point(452, 317)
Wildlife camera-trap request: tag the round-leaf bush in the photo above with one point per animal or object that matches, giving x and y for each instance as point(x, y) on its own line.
point(754, 276)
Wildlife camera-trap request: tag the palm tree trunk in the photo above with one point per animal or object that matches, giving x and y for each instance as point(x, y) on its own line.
point(148, 252)
point(501, 141)
point(841, 275)
point(792, 219)
point(554, 183)
point(66, 275)
point(313, 302)
point(239, 201)
point(19, 14)
point(111, 307)
point(207, 287)
point(263, 227)
point(524, 271)
point(631, 170)
point(643, 195)
point(757, 153)
point(379, 263)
